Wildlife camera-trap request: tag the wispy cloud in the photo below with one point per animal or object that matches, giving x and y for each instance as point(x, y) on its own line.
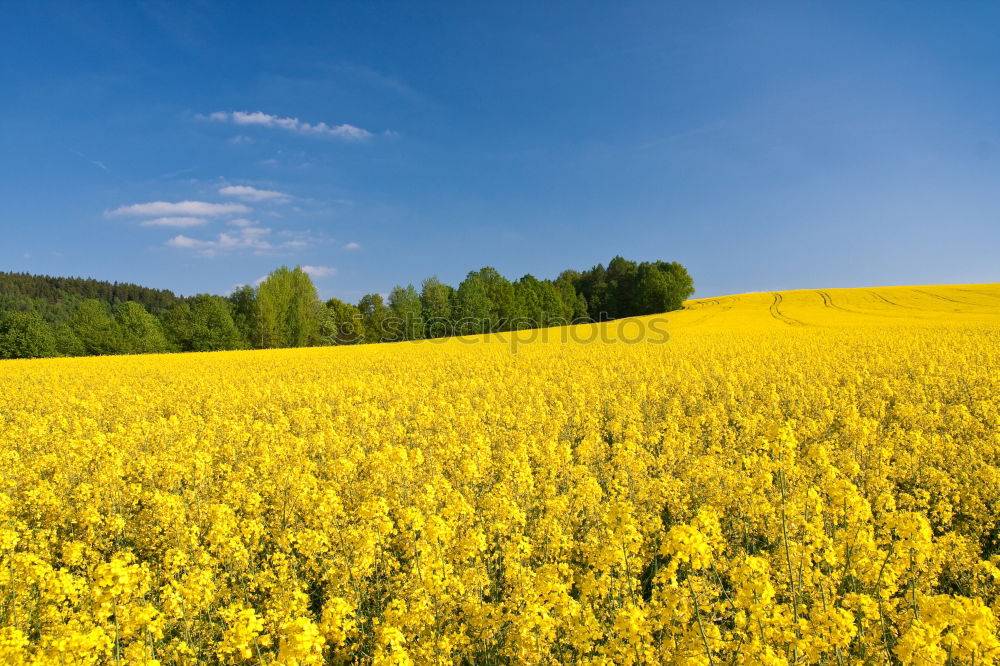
point(179, 208)
point(320, 271)
point(261, 119)
point(381, 81)
point(352, 246)
point(96, 163)
point(252, 238)
point(174, 222)
point(247, 193)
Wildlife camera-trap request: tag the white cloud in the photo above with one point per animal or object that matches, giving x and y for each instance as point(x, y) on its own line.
point(241, 139)
point(261, 119)
point(174, 222)
point(254, 239)
point(179, 208)
point(320, 271)
point(352, 246)
point(184, 241)
point(247, 193)
point(241, 222)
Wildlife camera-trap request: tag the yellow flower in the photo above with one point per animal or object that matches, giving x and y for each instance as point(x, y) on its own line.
point(810, 479)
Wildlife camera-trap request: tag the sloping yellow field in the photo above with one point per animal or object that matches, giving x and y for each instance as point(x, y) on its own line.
point(804, 476)
point(947, 305)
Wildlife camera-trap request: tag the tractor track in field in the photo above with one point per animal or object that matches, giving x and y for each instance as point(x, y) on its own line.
point(777, 314)
point(887, 301)
point(708, 308)
point(939, 296)
point(980, 293)
point(943, 298)
point(828, 302)
point(722, 304)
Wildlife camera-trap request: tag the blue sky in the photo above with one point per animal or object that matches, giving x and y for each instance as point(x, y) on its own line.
point(195, 146)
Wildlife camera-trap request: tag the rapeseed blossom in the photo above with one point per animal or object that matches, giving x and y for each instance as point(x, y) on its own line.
point(807, 479)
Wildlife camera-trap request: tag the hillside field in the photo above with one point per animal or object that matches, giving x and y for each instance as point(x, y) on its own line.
point(771, 478)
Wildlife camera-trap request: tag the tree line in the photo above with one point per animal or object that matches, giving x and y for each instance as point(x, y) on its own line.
point(42, 316)
point(60, 289)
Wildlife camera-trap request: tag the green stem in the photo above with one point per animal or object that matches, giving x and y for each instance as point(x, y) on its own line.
point(701, 627)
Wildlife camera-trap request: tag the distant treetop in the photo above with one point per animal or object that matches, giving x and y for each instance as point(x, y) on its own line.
point(55, 289)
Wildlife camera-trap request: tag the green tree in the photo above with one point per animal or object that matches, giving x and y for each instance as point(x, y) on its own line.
point(553, 311)
point(407, 313)
point(246, 315)
point(474, 305)
point(95, 328)
point(661, 287)
point(178, 326)
point(25, 335)
point(574, 304)
point(529, 305)
point(284, 310)
point(622, 278)
point(289, 308)
point(435, 300)
point(625, 288)
point(500, 293)
point(213, 324)
point(138, 331)
point(340, 324)
point(374, 314)
point(539, 303)
point(55, 291)
point(67, 344)
point(593, 287)
point(204, 325)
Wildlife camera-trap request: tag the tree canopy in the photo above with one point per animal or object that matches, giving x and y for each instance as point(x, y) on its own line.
point(46, 316)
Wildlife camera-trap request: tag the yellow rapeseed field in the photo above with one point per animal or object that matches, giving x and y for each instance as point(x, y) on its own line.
point(807, 477)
